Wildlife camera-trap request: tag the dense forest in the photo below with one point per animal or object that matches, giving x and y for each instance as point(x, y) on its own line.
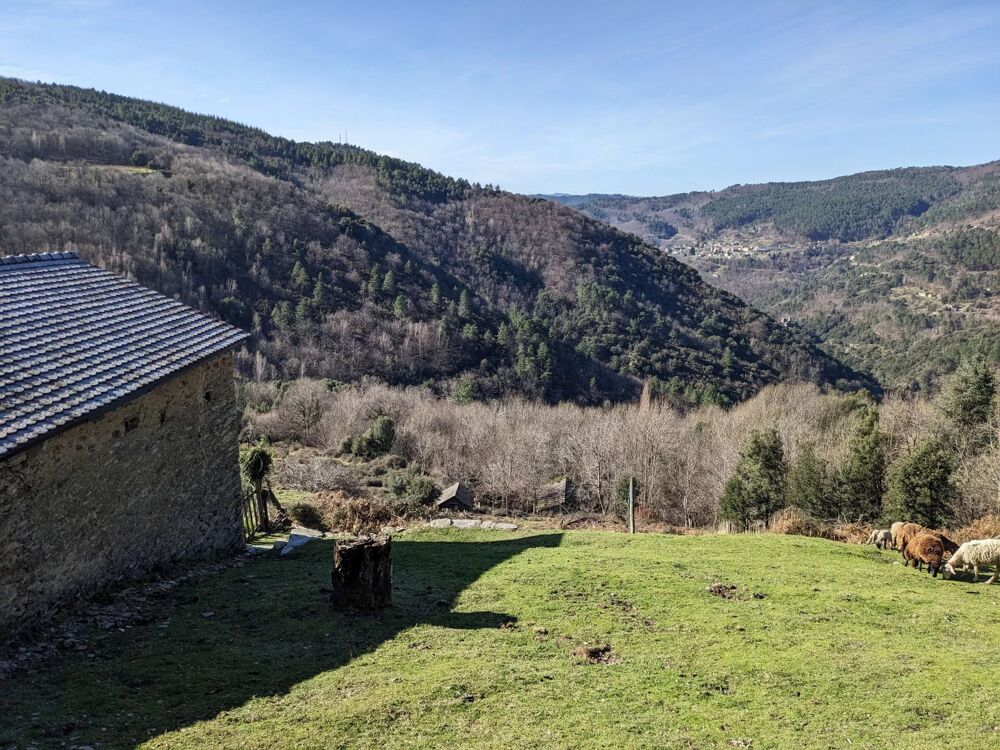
point(895, 272)
point(346, 264)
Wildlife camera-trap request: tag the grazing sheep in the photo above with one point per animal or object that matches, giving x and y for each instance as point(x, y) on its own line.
point(926, 548)
point(961, 561)
point(881, 538)
point(896, 531)
point(905, 533)
point(975, 553)
point(950, 546)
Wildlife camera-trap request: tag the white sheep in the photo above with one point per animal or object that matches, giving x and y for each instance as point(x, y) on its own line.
point(881, 538)
point(975, 553)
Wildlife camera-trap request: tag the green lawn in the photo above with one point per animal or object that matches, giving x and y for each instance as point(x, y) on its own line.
point(845, 649)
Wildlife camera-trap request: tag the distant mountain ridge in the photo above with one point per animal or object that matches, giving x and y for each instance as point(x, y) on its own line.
point(867, 205)
point(894, 271)
point(346, 264)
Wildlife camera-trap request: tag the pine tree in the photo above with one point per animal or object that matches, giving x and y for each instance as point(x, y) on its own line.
point(504, 335)
point(401, 307)
point(465, 391)
point(374, 282)
point(436, 297)
point(544, 362)
point(303, 310)
point(281, 316)
point(389, 282)
point(727, 361)
point(807, 484)
point(757, 488)
point(464, 304)
point(920, 487)
point(967, 398)
point(321, 295)
point(300, 277)
point(862, 476)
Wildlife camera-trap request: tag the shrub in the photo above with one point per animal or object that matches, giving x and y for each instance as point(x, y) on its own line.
point(396, 482)
point(621, 494)
point(384, 464)
point(316, 475)
point(422, 490)
point(255, 463)
point(412, 487)
point(336, 511)
point(377, 441)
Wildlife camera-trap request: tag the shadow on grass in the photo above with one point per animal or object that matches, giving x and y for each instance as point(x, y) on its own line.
point(250, 631)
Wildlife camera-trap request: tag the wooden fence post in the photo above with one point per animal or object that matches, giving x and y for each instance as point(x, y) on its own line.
point(262, 505)
point(631, 505)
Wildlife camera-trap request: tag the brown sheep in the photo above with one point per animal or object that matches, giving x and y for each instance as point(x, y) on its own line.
point(925, 548)
point(950, 546)
point(904, 533)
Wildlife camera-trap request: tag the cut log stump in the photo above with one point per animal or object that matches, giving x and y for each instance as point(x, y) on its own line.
point(362, 573)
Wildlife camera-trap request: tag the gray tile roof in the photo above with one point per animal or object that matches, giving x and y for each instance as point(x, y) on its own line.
point(76, 340)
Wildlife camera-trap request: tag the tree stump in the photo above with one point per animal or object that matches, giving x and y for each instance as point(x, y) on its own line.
point(362, 573)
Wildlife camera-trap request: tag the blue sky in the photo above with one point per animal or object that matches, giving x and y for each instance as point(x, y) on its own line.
point(636, 97)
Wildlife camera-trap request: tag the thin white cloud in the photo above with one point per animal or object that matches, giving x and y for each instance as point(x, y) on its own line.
point(26, 74)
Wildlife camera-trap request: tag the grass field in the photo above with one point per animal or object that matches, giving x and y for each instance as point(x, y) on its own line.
point(840, 648)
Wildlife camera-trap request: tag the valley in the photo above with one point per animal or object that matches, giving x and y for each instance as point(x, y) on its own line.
point(346, 264)
point(901, 283)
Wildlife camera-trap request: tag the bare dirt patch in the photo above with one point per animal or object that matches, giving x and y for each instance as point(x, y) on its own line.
point(733, 592)
point(600, 653)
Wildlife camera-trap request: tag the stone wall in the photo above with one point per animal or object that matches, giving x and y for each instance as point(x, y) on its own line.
point(148, 484)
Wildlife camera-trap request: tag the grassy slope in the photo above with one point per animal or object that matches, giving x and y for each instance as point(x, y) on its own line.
point(845, 648)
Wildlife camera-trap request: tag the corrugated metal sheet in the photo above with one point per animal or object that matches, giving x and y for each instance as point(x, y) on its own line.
point(75, 339)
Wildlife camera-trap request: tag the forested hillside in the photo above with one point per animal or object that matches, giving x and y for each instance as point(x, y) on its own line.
point(346, 264)
point(869, 205)
point(895, 272)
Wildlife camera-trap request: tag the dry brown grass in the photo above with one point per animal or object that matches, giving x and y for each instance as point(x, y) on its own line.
point(339, 511)
point(987, 527)
point(852, 533)
point(794, 521)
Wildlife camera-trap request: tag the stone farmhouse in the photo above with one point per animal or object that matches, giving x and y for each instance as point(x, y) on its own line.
point(118, 434)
